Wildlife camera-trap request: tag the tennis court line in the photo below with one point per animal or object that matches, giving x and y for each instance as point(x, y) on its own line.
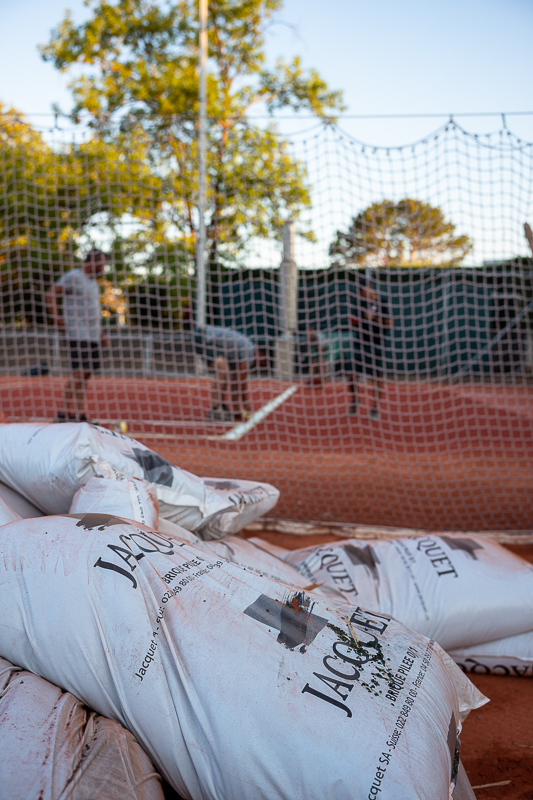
point(242, 428)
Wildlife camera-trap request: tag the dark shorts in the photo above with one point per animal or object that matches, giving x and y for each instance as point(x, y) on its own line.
point(233, 364)
point(84, 356)
point(315, 354)
point(234, 367)
point(368, 360)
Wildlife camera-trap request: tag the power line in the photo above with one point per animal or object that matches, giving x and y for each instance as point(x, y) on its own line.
point(409, 116)
point(336, 116)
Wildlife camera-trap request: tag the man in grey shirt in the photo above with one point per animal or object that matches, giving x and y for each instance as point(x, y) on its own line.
point(81, 320)
point(231, 354)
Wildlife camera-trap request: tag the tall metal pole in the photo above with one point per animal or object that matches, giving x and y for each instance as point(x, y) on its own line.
point(200, 239)
point(288, 307)
point(288, 283)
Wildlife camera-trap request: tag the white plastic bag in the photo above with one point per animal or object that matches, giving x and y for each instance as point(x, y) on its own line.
point(7, 514)
point(131, 498)
point(510, 656)
point(459, 590)
point(274, 549)
point(254, 559)
point(18, 503)
point(53, 748)
point(239, 551)
point(249, 500)
point(236, 685)
point(49, 463)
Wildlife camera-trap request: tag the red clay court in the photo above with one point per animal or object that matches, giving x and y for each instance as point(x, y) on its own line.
point(440, 456)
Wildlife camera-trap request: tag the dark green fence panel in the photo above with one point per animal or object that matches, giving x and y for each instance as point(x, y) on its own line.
point(442, 318)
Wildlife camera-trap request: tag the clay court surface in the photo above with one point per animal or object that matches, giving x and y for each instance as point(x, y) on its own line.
point(448, 457)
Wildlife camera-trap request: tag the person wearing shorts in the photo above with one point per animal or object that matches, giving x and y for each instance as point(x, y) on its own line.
point(316, 348)
point(81, 321)
point(231, 355)
point(374, 321)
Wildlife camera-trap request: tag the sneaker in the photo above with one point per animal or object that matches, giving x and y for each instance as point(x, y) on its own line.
point(242, 416)
point(219, 415)
point(374, 413)
point(352, 410)
point(65, 416)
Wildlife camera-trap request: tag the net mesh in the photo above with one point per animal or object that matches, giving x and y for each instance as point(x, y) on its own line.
point(442, 433)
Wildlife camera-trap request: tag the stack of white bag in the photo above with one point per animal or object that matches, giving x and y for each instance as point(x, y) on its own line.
point(53, 748)
point(48, 463)
point(7, 514)
point(135, 499)
point(18, 503)
point(512, 655)
point(115, 493)
point(236, 685)
point(471, 595)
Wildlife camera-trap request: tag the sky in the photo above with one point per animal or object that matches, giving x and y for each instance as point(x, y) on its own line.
point(389, 58)
point(413, 57)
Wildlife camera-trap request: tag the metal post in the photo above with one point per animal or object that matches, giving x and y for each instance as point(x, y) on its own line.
point(445, 331)
point(529, 235)
point(147, 355)
point(288, 283)
point(200, 239)
point(288, 307)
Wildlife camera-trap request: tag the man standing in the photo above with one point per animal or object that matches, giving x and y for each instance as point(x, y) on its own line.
point(81, 320)
point(374, 321)
point(230, 354)
point(316, 349)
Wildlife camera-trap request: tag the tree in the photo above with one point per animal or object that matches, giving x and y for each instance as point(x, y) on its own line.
point(157, 302)
point(409, 233)
point(51, 202)
point(138, 61)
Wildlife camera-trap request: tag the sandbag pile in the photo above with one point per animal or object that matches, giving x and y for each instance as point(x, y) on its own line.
point(7, 514)
point(136, 499)
point(471, 595)
point(512, 655)
point(251, 556)
point(18, 503)
point(237, 686)
point(53, 748)
point(49, 463)
point(132, 498)
point(113, 492)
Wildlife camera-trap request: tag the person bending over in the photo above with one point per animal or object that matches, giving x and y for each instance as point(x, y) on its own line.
point(81, 321)
point(231, 355)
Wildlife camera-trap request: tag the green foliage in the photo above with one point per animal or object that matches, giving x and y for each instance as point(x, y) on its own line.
point(51, 201)
point(157, 302)
point(408, 233)
point(136, 65)
point(133, 184)
point(35, 240)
